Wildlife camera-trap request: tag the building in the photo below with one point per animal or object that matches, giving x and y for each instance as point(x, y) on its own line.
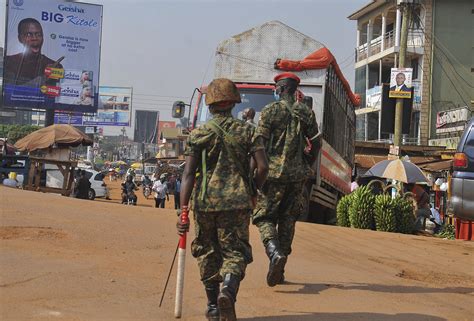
point(439, 49)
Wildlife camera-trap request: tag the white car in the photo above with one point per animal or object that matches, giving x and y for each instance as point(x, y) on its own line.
point(98, 186)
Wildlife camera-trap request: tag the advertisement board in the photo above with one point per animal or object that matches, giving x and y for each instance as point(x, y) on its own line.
point(115, 105)
point(52, 55)
point(400, 83)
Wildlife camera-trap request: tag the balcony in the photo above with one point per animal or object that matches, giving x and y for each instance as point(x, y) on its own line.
point(376, 45)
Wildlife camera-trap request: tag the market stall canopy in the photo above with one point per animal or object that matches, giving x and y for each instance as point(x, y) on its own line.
point(399, 170)
point(60, 135)
point(136, 165)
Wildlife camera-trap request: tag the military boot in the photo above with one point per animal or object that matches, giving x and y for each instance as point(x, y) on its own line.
point(227, 297)
point(277, 263)
point(212, 312)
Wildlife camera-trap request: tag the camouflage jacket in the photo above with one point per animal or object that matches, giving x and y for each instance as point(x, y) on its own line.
point(285, 125)
point(224, 188)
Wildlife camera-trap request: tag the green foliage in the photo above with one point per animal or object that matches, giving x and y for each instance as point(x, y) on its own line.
point(385, 211)
point(447, 232)
point(16, 132)
point(361, 213)
point(342, 211)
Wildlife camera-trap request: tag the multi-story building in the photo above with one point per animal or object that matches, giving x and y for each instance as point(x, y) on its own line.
point(439, 49)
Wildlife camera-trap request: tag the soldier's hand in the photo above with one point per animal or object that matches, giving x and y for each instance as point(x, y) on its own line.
point(182, 227)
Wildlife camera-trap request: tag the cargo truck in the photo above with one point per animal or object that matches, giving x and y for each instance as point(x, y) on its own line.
point(252, 59)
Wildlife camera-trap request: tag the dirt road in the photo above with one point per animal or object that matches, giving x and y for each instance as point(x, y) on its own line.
point(70, 259)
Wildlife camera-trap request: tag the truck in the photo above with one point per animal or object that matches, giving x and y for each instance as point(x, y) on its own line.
point(252, 59)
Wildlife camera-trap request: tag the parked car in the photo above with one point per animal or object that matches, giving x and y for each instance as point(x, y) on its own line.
point(98, 186)
point(462, 181)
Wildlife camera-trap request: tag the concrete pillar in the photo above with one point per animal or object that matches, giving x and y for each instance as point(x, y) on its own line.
point(366, 77)
point(398, 26)
point(358, 37)
point(380, 124)
point(380, 72)
point(369, 36)
point(384, 28)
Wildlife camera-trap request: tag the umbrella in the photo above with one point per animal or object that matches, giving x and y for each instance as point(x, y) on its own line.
point(399, 170)
point(61, 135)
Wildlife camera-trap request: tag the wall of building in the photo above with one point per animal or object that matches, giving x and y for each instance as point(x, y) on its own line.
point(452, 59)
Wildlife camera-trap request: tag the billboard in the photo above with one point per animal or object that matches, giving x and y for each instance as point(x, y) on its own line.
point(52, 55)
point(162, 125)
point(400, 83)
point(115, 105)
point(146, 126)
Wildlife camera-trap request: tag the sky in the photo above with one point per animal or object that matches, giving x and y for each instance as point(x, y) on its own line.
point(164, 49)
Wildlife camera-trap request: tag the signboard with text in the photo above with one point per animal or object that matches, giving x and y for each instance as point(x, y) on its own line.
point(52, 55)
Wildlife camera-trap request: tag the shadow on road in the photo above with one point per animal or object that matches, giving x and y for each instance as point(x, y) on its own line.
point(349, 317)
point(317, 288)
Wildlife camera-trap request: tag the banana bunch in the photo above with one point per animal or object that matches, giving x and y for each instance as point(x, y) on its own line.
point(405, 215)
point(385, 213)
point(361, 214)
point(342, 211)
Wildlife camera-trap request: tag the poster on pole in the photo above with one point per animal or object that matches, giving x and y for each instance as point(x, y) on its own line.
point(400, 83)
point(52, 55)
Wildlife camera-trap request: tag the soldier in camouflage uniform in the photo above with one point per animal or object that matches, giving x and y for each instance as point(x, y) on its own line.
point(219, 152)
point(286, 127)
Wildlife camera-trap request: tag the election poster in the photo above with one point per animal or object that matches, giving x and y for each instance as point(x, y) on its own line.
point(52, 55)
point(400, 83)
point(115, 106)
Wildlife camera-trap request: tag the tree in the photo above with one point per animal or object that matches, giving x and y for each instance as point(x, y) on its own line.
point(16, 132)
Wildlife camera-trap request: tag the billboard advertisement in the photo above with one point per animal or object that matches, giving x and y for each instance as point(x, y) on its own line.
point(400, 83)
point(146, 126)
point(162, 125)
point(52, 55)
point(115, 104)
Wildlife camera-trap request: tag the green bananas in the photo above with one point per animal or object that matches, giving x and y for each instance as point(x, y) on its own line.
point(342, 211)
point(361, 212)
point(385, 213)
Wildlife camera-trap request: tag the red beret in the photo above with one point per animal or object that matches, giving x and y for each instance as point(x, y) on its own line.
point(286, 75)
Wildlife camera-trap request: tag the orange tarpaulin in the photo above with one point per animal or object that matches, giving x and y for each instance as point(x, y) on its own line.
point(319, 59)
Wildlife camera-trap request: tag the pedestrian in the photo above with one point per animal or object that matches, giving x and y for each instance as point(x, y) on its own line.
point(177, 191)
point(423, 211)
point(355, 183)
point(11, 181)
point(220, 152)
point(161, 192)
point(83, 186)
point(289, 130)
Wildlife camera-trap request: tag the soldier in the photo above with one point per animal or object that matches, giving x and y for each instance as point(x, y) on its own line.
point(289, 131)
point(220, 153)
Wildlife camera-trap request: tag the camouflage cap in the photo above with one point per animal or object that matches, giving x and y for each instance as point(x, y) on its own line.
point(220, 90)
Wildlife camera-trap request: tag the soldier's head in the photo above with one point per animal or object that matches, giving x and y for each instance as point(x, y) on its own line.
point(286, 84)
point(222, 95)
point(248, 114)
point(400, 78)
point(30, 35)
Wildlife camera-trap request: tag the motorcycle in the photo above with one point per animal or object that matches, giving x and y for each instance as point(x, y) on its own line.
point(128, 198)
point(146, 191)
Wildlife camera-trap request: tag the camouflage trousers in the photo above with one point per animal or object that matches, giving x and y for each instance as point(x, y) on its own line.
point(278, 208)
point(222, 244)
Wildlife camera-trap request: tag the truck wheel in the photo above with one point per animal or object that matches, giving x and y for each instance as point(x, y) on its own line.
point(91, 194)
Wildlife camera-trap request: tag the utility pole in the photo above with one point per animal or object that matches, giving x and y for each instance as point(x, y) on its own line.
point(406, 11)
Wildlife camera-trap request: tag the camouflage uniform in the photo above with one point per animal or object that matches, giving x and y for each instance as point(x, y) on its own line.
point(221, 200)
point(284, 125)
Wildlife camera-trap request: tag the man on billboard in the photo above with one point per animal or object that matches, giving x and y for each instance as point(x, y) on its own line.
point(400, 86)
point(27, 68)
